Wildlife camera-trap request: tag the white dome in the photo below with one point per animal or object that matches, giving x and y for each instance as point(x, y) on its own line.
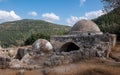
point(42, 45)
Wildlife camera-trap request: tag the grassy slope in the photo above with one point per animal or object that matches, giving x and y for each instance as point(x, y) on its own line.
point(16, 32)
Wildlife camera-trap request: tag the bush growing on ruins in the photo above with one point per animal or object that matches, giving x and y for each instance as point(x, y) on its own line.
point(42, 35)
point(34, 37)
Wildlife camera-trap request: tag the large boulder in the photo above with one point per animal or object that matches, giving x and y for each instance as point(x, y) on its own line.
point(42, 46)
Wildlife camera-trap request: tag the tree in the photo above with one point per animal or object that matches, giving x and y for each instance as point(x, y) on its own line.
point(34, 37)
point(111, 4)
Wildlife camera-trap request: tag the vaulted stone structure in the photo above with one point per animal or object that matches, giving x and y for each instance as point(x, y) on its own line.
point(85, 35)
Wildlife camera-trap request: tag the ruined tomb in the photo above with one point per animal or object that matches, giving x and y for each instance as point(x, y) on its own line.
point(84, 35)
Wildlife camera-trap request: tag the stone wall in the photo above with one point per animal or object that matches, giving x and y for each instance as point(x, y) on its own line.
point(99, 42)
point(61, 58)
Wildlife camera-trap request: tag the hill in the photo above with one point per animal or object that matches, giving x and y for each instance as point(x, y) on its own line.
point(110, 22)
point(16, 32)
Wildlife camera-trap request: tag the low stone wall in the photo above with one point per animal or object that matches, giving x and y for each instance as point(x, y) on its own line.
point(68, 57)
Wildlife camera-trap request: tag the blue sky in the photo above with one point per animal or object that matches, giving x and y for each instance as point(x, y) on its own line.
point(56, 11)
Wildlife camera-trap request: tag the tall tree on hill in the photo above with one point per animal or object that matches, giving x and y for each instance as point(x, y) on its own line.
point(111, 4)
point(110, 22)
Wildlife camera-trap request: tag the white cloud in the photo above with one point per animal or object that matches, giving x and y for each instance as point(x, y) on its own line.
point(89, 15)
point(33, 13)
point(50, 17)
point(82, 2)
point(94, 14)
point(8, 16)
point(73, 19)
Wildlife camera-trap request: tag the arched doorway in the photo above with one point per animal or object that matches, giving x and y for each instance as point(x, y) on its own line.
point(69, 46)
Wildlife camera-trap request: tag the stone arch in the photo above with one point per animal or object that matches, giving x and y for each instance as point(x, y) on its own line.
point(69, 46)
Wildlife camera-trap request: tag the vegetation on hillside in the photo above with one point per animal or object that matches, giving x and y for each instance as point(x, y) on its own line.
point(110, 22)
point(16, 32)
point(30, 40)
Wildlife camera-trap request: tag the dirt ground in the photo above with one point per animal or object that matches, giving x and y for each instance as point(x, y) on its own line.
point(93, 66)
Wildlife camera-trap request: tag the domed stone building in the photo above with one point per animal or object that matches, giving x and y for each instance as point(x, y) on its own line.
point(84, 35)
point(85, 26)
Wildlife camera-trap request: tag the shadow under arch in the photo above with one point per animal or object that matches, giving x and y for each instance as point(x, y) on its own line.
point(69, 46)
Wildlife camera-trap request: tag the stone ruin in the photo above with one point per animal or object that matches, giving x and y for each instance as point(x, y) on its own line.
point(84, 41)
point(84, 35)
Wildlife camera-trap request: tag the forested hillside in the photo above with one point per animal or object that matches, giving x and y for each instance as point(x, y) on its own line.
point(110, 22)
point(16, 32)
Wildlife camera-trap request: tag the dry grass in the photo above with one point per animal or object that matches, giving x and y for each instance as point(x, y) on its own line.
point(117, 47)
point(115, 54)
point(17, 72)
point(85, 69)
point(91, 67)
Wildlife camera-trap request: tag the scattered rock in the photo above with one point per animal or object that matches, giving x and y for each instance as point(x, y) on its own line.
point(26, 58)
point(15, 63)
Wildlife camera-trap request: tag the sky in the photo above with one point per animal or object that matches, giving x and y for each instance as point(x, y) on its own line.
point(66, 12)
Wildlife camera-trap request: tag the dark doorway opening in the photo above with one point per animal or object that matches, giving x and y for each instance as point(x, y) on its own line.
point(69, 47)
